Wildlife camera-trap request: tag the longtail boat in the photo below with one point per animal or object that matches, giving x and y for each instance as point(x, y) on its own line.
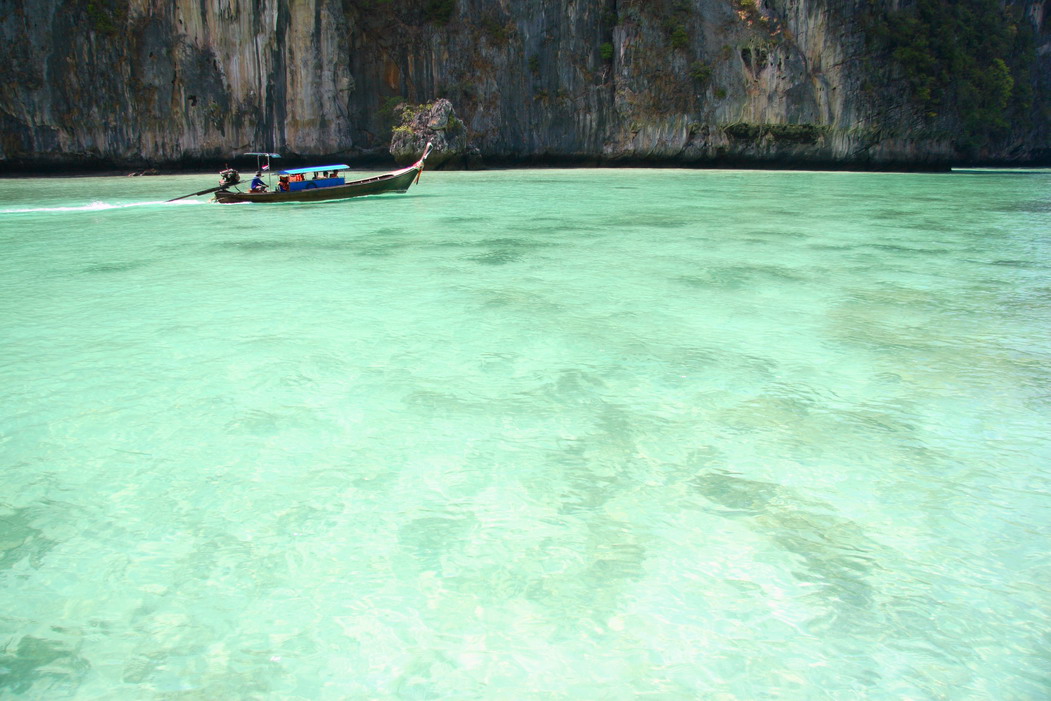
point(313, 184)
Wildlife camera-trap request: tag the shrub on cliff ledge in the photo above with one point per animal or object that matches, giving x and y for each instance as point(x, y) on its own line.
point(679, 37)
point(701, 71)
point(778, 133)
point(796, 133)
point(107, 16)
point(743, 131)
point(439, 11)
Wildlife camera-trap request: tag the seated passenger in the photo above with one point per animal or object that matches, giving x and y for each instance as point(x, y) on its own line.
point(257, 183)
point(317, 175)
point(282, 183)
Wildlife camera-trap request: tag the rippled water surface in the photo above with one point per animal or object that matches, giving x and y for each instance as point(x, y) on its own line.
point(589, 434)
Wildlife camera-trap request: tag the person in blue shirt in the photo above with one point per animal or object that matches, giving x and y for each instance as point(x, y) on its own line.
point(257, 182)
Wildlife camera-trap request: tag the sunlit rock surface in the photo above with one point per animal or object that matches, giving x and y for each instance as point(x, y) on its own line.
point(436, 124)
point(706, 82)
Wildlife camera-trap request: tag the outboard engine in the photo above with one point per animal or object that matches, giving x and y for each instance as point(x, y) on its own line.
point(228, 178)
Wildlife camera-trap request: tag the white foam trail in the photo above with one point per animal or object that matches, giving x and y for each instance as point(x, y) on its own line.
point(96, 207)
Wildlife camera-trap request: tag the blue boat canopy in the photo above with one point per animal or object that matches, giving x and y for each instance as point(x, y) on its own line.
point(271, 155)
point(314, 169)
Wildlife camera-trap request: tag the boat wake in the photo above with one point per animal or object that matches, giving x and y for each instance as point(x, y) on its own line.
point(98, 207)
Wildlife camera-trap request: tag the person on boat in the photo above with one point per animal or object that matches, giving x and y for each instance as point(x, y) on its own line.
point(257, 182)
point(317, 175)
point(282, 183)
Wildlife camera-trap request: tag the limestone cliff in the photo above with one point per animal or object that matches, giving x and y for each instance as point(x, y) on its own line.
point(778, 82)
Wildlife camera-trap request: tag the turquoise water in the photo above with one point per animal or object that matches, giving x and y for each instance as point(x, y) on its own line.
point(587, 434)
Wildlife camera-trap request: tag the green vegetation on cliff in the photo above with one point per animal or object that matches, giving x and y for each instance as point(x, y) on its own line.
point(779, 133)
point(107, 16)
point(970, 57)
point(439, 11)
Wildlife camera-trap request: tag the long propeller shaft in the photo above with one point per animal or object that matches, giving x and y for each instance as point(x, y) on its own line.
point(195, 194)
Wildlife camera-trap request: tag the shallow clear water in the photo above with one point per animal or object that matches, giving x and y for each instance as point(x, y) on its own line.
point(529, 434)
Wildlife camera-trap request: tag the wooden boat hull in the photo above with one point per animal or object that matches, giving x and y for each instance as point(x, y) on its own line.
point(397, 181)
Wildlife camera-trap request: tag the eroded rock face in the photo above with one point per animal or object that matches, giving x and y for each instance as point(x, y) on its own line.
point(136, 82)
point(139, 83)
point(437, 124)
